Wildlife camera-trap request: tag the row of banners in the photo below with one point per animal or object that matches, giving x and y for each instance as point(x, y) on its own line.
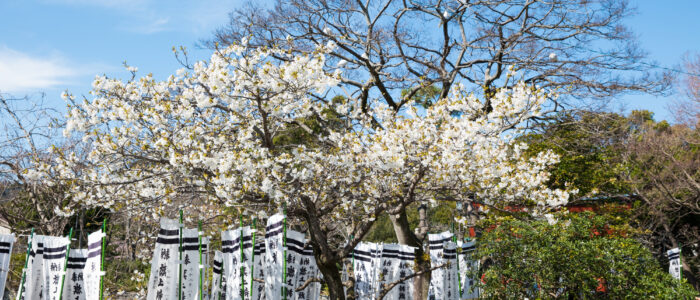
point(378, 266)
point(280, 265)
point(54, 271)
point(249, 266)
point(277, 265)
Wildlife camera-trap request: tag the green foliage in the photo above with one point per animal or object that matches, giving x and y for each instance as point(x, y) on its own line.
point(14, 275)
point(125, 274)
point(588, 145)
point(298, 134)
point(425, 96)
point(572, 258)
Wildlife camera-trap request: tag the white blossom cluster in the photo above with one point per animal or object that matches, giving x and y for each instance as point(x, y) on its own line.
point(210, 131)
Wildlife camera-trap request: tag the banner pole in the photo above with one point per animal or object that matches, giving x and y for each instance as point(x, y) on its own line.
point(65, 263)
point(179, 265)
point(252, 265)
point(102, 257)
point(26, 262)
point(284, 252)
point(201, 266)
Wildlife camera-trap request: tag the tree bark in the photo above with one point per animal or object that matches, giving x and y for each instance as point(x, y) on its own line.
point(407, 237)
point(326, 257)
point(331, 276)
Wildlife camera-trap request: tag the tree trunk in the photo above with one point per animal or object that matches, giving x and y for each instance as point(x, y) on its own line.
point(331, 275)
point(327, 259)
point(407, 237)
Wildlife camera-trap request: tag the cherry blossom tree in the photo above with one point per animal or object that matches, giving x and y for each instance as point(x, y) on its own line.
point(214, 130)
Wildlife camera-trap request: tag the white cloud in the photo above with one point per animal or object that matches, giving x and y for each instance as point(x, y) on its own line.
point(21, 72)
point(149, 26)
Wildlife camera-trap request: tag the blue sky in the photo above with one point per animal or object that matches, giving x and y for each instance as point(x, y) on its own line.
point(53, 45)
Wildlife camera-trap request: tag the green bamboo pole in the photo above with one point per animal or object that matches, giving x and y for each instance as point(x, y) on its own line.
point(240, 258)
point(65, 263)
point(201, 267)
point(459, 251)
point(284, 252)
point(26, 261)
point(179, 265)
point(252, 259)
point(102, 258)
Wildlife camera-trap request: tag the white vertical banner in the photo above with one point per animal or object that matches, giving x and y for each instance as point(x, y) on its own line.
point(274, 257)
point(407, 258)
point(54, 261)
point(259, 270)
point(93, 271)
point(216, 268)
point(6, 243)
point(295, 249)
point(436, 249)
point(162, 283)
point(366, 262)
point(388, 270)
point(299, 267)
point(451, 285)
point(74, 285)
point(190, 263)
point(33, 273)
point(307, 270)
point(467, 268)
point(674, 262)
point(237, 247)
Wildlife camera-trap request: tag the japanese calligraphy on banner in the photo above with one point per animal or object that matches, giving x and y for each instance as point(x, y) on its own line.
point(406, 258)
point(53, 261)
point(366, 263)
point(674, 262)
point(162, 284)
point(442, 280)
point(451, 281)
point(295, 249)
point(377, 266)
point(216, 284)
point(6, 243)
point(396, 262)
point(237, 249)
point(388, 270)
point(300, 267)
point(93, 265)
point(467, 267)
point(308, 270)
point(74, 285)
point(191, 263)
point(274, 257)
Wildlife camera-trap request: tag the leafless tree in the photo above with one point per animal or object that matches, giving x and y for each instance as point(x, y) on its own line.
point(26, 141)
point(686, 109)
point(664, 165)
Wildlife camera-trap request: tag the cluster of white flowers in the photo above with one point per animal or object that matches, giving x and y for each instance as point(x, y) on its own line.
point(210, 131)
